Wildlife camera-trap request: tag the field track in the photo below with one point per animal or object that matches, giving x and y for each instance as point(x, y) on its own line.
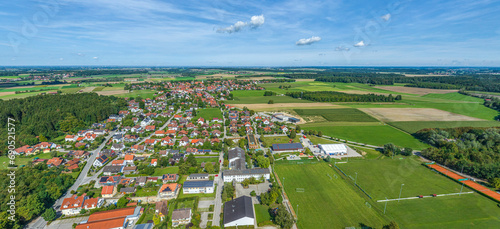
point(494, 195)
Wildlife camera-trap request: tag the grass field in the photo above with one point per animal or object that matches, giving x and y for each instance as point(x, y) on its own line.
point(413, 127)
point(208, 113)
point(151, 191)
point(378, 135)
point(265, 99)
point(262, 214)
point(383, 178)
point(276, 140)
point(166, 170)
point(325, 202)
point(338, 115)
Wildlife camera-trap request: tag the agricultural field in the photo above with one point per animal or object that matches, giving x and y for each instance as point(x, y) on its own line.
point(383, 178)
point(413, 127)
point(325, 202)
point(208, 113)
point(136, 93)
point(415, 114)
point(372, 134)
point(338, 115)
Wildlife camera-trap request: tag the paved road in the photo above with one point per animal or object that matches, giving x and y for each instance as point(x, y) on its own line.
point(39, 222)
point(218, 193)
point(161, 128)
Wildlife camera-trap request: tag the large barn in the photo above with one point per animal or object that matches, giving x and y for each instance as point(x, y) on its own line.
point(333, 149)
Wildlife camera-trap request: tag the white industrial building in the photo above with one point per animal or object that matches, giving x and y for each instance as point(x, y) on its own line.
point(333, 149)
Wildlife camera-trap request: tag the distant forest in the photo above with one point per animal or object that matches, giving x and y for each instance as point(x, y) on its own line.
point(52, 115)
point(475, 150)
point(332, 96)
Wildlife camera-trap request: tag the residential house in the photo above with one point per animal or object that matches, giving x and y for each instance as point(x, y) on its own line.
point(170, 177)
point(168, 190)
point(181, 216)
point(108, 191)
point(100, 161)
point(198, 186)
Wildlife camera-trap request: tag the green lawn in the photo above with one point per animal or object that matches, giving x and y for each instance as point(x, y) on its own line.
point(185, 203)
point(276, 140)
point(152, 191)
point(338, 115)
point(325, 202)
point(412, 127)
point(22, 160)
point(166, 170)
point(378, 135)
point(208, 114)
point(383, 178)
point(262, 214)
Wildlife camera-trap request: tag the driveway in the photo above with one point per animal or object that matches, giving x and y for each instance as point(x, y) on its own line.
point(66, 223)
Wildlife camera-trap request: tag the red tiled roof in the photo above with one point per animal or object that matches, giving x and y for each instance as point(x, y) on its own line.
point(106, 190)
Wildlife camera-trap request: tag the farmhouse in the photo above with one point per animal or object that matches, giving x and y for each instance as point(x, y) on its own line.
point(239, 212)
point(287, 147)
point(201, 186)
point(240, 175)
point(333, 149)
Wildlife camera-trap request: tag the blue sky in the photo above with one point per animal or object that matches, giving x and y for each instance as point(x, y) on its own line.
point(250, 33)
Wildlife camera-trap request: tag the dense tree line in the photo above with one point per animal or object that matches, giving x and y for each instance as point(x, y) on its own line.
point(475, 150)
point(433, 85)
point(52, 115)
point(332, 96)
point(37, 188)
point(93, 72)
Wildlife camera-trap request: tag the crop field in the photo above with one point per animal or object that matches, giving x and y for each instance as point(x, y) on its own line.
point(372, 134)
point(415, 114)
point(383, 178)
point(265, 99)
point(325, 202)
point(338, 115)
point(208, 114)
point(413, 127)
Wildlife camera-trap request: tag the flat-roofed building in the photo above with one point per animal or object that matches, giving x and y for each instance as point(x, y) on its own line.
point(240, 175)
point(333, 149)
point(253, 142)
point(287, 147)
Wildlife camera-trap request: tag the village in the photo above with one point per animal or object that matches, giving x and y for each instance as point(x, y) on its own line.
point(177, 157)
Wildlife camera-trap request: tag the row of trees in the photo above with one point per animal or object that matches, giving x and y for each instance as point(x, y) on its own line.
point(390, 150)
point(332, 96)
point(471, 150)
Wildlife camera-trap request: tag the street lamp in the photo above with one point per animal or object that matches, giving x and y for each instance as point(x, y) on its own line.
point(400, 192)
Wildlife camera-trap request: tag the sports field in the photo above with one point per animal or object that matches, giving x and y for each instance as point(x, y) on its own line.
point(368, 133)
point(383, 178)
point(325, 202)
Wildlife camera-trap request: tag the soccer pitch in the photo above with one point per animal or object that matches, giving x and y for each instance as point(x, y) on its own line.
point(384, 178)
point(321, 202)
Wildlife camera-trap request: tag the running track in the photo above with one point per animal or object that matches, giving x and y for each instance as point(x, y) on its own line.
point(494, 195)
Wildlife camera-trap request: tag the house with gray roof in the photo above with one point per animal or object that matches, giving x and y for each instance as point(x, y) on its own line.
point(239, 212)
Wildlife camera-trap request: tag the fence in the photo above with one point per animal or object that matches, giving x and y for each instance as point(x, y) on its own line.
point(355, 184)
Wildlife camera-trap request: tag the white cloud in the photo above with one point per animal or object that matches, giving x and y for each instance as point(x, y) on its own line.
point(308, 41)
point(386, 17)
point(342, 48)
point(95, 57)
point(360, 44)
point(255, 22)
